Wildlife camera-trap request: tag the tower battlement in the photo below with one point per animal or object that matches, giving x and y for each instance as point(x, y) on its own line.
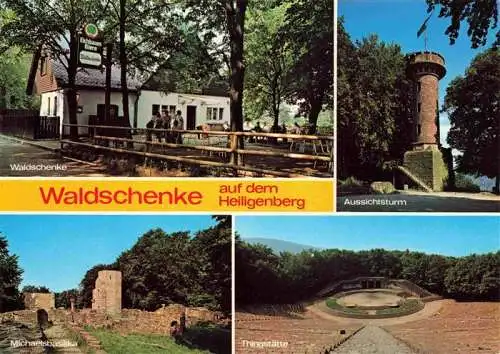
point(425, 63)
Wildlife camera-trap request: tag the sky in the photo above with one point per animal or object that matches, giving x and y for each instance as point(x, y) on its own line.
point(397, 21)
point(446, 235)
point(57, 250)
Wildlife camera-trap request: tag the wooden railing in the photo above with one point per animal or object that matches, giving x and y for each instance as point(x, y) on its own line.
point(229, 146)
point(28, 124)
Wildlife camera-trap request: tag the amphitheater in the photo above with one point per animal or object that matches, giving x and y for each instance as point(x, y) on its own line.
point(360, 315)
point(374, 298)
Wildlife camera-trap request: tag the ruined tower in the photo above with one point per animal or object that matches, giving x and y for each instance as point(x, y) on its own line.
point(425, 160)
point(107, 294)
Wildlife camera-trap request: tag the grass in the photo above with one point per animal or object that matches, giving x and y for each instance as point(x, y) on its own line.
point(332, 303)
point(115, 343)
point(205, 339)
point(407, 307)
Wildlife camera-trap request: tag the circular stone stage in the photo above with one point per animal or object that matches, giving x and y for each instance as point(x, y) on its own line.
point(370, 299)
point(374, 303)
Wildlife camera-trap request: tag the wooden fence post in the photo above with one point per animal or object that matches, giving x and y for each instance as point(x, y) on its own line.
point(234, 148)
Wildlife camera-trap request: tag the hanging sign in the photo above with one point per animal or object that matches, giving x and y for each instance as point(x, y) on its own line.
point(90, 47)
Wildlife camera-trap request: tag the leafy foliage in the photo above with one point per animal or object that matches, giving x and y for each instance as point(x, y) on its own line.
point(63, 298)
point(14, 68)
point(35, 289)
point(374, 105)
point(309, 33)
point(264, 277)
point(10, 278)
point(268, 62)
point(481, 16)
point(472, 104)
point(173, 268)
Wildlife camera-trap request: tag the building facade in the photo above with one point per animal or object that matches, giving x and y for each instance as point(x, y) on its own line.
point(51, 83)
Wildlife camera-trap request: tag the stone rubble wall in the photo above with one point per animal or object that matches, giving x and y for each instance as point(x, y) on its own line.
point(36, 301)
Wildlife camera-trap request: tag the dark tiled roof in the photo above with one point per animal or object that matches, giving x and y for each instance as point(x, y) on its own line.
point(93, 78)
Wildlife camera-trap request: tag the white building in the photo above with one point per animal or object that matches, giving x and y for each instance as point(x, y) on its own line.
point(51, 81)
point(195, 109)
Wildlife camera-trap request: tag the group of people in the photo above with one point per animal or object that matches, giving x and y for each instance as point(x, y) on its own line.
point(164, 120)
point(282, 129)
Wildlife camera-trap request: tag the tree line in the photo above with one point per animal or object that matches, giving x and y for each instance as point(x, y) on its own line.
point(161, 268)
point(263, 277)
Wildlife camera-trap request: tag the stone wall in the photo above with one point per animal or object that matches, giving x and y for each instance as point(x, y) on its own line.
point(428, 166)
point(107, 294)
point(35, 301)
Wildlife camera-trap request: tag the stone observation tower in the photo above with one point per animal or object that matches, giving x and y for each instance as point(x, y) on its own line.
point(107, 294)
point(425, 160)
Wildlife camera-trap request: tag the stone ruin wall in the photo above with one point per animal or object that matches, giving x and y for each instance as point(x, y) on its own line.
point(107, 294)
point(35, 301)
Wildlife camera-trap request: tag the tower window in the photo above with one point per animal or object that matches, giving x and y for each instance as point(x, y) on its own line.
point(419, 129)
point(419, 107)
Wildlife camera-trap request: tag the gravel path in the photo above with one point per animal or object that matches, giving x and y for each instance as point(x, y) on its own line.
point(373, 340)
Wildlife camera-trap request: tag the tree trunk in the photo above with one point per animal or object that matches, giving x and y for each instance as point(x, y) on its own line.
point(123, 64)
point(72, 69)
point(316, 107)
point(123, 71)
point(235, 16)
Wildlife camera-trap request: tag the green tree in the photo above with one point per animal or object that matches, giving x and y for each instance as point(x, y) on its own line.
point(14, 69)
point(475, 277)
point(10, 278)
point(268, 62)
point(35, 289)
point(63, 298)
point(142, 45)
point(374, 88)
point(222, 23)
point(481, 16)
point(472, 103)
point(190, 68)
point(45, 27)
point(212, 250)
point(309, 33)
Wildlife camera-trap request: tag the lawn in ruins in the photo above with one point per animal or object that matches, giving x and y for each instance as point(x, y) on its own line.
point(212, 339)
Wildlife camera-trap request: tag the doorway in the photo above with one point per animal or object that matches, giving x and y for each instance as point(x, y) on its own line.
point(191, 118)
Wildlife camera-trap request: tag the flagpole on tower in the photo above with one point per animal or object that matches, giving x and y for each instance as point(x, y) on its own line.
point(423, 30)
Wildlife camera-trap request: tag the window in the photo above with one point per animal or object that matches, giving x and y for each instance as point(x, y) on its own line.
point(164, 109)
point(214, 113)
point(419, 129)
point(48, 106)
point(55, 106)
point(419, 107)
point(155, 109)
point(43, 66)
